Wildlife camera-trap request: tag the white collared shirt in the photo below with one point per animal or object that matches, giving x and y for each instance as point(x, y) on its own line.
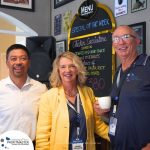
point(19, 107)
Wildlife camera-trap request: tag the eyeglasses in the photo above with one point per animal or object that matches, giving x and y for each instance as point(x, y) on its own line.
point(124, 37)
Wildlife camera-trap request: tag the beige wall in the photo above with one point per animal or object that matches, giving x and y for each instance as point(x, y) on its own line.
point(5, 41)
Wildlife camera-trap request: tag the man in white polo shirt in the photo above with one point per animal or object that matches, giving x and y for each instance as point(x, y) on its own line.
point(19, 94)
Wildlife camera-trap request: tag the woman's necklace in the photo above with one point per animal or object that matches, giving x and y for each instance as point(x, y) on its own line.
point(71, 93)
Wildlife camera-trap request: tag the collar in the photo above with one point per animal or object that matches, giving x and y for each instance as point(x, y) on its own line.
point(8, 81)
point(140, 61)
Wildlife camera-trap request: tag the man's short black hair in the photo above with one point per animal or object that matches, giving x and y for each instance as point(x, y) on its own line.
point(17, 46)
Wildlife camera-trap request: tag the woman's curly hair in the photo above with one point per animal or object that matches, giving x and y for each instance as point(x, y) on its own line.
point(55, 79)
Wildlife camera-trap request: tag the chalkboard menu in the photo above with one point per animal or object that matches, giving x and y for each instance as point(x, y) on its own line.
point(101, 21)
point(91, 40)
point(95, 52)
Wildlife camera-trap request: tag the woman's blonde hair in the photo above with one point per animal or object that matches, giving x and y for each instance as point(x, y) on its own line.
point(55, 79)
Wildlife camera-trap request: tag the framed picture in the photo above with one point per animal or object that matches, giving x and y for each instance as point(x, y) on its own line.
point(18, 4)
point(58, 3)
point(140, 29)
point(60, 47)
point(137, 5)
point(57, 24)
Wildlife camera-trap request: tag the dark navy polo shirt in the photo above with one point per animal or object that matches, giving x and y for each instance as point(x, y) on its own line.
point(133, 111)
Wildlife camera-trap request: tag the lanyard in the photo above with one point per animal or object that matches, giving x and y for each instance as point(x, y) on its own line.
point(114, 109)
point(119, 83)
point(77, 111)
point(78, 105)
point(118, 78)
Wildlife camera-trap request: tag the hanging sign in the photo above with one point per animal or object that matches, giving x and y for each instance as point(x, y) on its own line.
point(87, 9)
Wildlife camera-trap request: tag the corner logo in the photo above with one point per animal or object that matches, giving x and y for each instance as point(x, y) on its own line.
point(2, 142)
point(15, 140)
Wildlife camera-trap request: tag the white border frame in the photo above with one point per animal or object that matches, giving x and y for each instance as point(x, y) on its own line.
point(60, 47)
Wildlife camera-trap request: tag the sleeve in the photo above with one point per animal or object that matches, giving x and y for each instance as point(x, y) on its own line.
point(101, 128)
point(44, 124)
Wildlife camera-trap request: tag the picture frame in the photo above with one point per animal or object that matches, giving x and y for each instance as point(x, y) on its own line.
point(27, 5)
point(58, 3)
point(138, 5)
point(140, 29)
point(57, 24)
point(60, 47)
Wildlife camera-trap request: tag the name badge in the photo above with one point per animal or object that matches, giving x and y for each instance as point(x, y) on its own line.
point(77, 145)
point(112, 125)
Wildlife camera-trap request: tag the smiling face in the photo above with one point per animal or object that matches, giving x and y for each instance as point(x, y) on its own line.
point(18, 63)
point(68, 71)
point(127, 42)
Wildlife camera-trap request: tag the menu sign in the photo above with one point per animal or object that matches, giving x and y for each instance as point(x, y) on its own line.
point(101, 21)
point(95, 52)
point(87, 9)
point(91, 40)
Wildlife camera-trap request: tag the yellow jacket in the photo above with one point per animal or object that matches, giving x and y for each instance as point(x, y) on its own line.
point(53, 122)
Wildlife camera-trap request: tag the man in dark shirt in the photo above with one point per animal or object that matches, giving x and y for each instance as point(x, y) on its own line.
point(130, 113)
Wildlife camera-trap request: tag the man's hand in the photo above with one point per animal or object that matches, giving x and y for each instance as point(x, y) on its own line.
point(99, 110)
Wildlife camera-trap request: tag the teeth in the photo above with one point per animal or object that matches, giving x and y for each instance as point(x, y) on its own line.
point(18, 68)
point(68, 75)
point(122, 48)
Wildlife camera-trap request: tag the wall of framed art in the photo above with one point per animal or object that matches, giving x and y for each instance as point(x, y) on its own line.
point(45, 12)
point(137, 12)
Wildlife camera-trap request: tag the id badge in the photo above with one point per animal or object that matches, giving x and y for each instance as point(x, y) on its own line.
point(112, 125)
point(77, 145)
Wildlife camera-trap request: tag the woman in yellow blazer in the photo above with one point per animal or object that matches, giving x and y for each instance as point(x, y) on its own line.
point(66, 118)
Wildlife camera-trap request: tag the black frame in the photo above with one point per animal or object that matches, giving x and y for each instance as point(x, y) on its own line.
point(57, 24)
point(61, 3)
point(17, 6)
point(140, 29)
point(62, 48)
point(138, 9)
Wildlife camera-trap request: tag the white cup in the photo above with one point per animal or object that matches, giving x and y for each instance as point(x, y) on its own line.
point(105, 102)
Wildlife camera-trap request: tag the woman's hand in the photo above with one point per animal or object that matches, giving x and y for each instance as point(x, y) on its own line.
point(99, 110)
